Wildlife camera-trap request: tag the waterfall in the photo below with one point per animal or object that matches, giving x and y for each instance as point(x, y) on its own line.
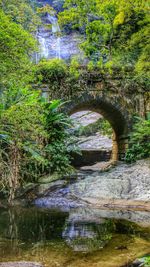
point(43, 47)
point(49, 41)
point(55, 25)
point(52, 42)
point(56, 33)
point(58, 48)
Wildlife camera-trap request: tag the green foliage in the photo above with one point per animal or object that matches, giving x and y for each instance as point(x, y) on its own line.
point(22, 12)
point(73, 68)
point(21, 131)
point(46, 9)
point(90, 66)
point(139, 146)
point(116, 31)
point(59, 142)
point(105, 128)
point(16, 47)
point(51, 70)
point(57, 71)
point(61, 79)
point(34, 136)
point(102, 126)
point(34, 140)
point(147, 261)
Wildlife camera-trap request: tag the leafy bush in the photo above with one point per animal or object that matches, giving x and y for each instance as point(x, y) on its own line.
point(59, 142)
point(51, 70)
point(139, 146)
point(73, 69)
point(34, 140)
point(147, 261)
point(21, 134)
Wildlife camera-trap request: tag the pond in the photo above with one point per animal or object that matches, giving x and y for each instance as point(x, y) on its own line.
point(79, 238)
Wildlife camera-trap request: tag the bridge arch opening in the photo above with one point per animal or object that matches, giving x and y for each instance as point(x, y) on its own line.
point(113, 113)
point(93, 137)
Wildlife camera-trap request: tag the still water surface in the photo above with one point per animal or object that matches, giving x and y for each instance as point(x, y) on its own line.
point(68, 239)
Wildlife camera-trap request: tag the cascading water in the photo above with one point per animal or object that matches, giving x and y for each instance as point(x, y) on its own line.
point(58, 48)
point(54, 21)
point(52, 42)
point(49, 40)
point(56, 33)
point(43, 47)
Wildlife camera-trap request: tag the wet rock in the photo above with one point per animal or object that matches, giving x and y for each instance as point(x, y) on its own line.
point(61, 203)
point(122, 182)
point(128, 185)
point(99, 167)
point(48, 188)
point(95, 142)
point(91, 214)
point(85, 118)
point(20, 264)
point(27, 189)
point(51, 47)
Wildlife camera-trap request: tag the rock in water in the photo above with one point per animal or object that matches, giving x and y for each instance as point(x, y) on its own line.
point(20, 264)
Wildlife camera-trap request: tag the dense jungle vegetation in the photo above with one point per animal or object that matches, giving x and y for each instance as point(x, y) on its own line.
point(33, 131)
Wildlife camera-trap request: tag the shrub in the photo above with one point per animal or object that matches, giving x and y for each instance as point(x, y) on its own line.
point(59, 142)
point(21, 134)
point(139, 146)
point(51, 70)
point(34, 140)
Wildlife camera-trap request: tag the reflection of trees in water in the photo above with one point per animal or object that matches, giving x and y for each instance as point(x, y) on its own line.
point(13, 229)
point(85, 236)
point(8, 232)
point(31, 225)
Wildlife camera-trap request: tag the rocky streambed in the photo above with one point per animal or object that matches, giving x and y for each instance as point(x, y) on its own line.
point(95, 218)
point(122, 186)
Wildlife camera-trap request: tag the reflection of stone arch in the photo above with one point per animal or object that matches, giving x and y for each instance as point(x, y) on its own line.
point(112, 111)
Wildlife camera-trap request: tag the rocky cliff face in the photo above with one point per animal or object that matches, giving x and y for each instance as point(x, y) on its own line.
point(55, 42)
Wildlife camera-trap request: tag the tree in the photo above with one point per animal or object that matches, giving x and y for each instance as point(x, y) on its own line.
point(22, 12)
point(116, 31)
point(16, 48)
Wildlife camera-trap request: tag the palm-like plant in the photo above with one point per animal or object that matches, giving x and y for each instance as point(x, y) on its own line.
point(34, 138)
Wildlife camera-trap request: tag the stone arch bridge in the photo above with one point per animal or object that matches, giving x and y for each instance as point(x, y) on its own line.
point(110, 97)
